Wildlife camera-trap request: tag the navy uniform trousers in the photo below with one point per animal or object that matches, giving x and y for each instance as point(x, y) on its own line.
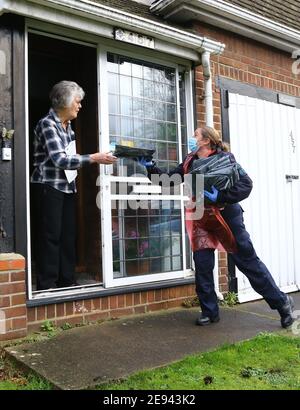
point(245, 259)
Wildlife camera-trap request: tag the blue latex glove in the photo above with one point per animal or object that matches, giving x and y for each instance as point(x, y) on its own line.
point(212, 196)
point(145, 162)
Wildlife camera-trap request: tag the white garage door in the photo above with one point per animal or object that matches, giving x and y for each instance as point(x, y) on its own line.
point(265, 138)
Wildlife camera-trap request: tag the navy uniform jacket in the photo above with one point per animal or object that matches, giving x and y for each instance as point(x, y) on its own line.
point(241, 189)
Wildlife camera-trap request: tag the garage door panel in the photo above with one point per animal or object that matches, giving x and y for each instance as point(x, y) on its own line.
point(261, 142)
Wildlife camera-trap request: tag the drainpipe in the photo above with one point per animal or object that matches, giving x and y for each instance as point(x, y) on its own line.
point(208, 95)
point(209, 120)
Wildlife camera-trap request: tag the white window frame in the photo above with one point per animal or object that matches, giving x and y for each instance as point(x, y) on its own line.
point(106, 178)
point(103, 47)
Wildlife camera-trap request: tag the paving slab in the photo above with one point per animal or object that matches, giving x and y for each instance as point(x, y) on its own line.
point(86, 356)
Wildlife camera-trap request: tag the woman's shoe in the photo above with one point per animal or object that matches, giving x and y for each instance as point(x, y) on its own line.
point(203, 320)
point(286, 312)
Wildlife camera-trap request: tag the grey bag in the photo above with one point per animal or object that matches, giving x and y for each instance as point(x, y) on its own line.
point(218, 171)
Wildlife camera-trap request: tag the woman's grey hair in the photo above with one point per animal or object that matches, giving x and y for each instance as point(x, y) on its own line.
point(63, 94)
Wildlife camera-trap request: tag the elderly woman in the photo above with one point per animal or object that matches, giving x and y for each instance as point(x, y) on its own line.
point(55, 165)
point(206, 237)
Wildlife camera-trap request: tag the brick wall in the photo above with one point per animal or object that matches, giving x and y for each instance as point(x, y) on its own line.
point(16, 319)
point(247, 61)
point(250, 62)
point(109, 307)
point(13, 314)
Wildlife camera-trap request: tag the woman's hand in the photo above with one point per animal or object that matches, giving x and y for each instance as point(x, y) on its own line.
point(103, 158)
point(212, 196)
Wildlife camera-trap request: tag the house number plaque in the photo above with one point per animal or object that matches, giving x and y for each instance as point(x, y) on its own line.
point(133, 38)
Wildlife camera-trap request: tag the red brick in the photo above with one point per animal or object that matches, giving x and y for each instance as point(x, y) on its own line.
point(19, 323)
point(139, 309)
point(15, 311)
point(113, 302)
point(12, 288)
point(31, 314)
point(88, 305)
point(174, 293)
point(175, 303)
point(153, 307)
point(157, 295)
point(122, 312)
point(144, 298)
point(137, 298)
point(223, 271)
point(129, 299)
point(4, 265)
point(12, 264)
point(104, 303)
point(13, 335)
point(121, 301)
point(222, 263)
point(151, 296)
point(4, 301)
point(60, 310)
point(165, 294)
point(17, 276)
point(17, 264)
point(41, 313)
point(50, 311)
point(18, 299)
point(69, 309)
point(96, 304)
point(4, 277)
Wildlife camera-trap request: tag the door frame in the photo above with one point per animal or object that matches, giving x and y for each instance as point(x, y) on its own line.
point(101, 44)
point(105, 179)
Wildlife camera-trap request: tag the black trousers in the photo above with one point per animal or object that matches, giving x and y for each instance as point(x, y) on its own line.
point(245, 259)
point(56, 236)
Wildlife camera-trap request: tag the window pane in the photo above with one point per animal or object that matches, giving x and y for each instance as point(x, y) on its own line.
point(126, 106)
point(171, 112)
point(126, 127)
point(113, 83)
point(114, 125)
point(125, 85)
point(113, 104)
point(142, 239)
point(138, 87)
point(125, 67)
point(138, 128)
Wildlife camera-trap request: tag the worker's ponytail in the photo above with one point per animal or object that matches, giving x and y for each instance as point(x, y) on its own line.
point(215, 139)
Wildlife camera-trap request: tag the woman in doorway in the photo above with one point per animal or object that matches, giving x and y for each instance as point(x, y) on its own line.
point(53, 178)
point(206, 143)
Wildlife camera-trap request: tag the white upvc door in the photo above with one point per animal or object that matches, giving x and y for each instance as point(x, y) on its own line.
point(264, 138)
point(143, 245)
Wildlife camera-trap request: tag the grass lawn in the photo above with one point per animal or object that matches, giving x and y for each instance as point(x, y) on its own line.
point(268, 361)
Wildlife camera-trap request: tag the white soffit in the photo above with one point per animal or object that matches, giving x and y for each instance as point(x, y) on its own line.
point(232, 18)
point(95, 18)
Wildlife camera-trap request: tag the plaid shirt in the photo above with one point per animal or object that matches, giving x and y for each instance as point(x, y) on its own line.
point(50, 158)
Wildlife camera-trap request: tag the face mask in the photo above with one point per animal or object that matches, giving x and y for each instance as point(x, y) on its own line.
point(192, 143)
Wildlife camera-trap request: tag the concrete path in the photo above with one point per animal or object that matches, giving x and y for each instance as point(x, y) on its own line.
point(86, 356)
